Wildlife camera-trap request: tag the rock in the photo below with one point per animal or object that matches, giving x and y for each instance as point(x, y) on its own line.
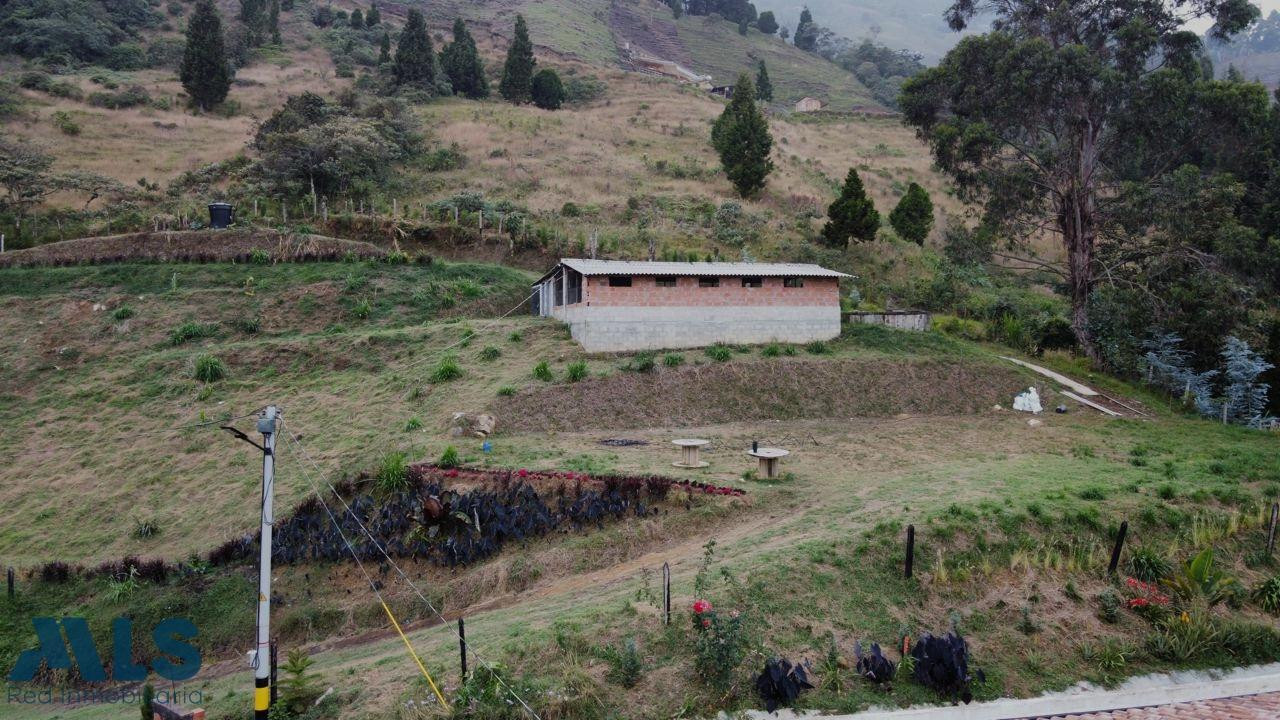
point(997, 408)
point(479, 425)
point(1035, 423)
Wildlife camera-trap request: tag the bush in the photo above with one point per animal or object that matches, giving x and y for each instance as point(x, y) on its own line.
point(1148, 565)
point(445, 158)
point(449, 458)
point(62, 120)
point(132, 96)
point(506, 391)
point(960, 327)
point(393, 472)
point(447, 370)
point(490, 353)
point(209, 368)
point(542, 371)
point(579, 89)
point(576, 371)
point(771, 350)
point(625, 664)
point(641, 363)
point(1267, 595)
point(143, 529)
point(817, 347)
point(124, 312)
point(719, 645)
point(673, 359)
point(189, 331)
point(719, 353)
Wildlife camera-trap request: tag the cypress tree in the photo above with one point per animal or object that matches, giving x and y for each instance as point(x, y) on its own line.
point(517, 72)
point(373, 17)
point(205, 74)
point(253, 16)
point(741, 137)
point(742, 27)
point(806, 37)
point(764, 88)
point(852, 216)
point(415, 58)
point(912, 219)
point(463, 65)
point(384, 49)
point(273, 22)
point(546, 90)
point(357, 19)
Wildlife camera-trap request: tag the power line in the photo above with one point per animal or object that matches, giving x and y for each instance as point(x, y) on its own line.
point(143, 433)
point(320, 472)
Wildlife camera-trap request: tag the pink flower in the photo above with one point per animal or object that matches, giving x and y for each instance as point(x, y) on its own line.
point(701, 606)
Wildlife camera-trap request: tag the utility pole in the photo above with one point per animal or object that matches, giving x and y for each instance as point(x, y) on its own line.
point(262, 653)
point(260, 658)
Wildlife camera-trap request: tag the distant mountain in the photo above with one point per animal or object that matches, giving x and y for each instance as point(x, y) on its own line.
point(1254, 52)
point(915, 25)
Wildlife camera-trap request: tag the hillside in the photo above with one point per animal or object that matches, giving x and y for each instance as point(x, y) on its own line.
point(113, 450)
point(915, 25)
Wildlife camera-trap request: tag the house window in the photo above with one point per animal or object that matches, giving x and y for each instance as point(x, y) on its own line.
point(708, 282)
point(793, 282)
point(664, 281)
point(619, 281)
point(752, 282)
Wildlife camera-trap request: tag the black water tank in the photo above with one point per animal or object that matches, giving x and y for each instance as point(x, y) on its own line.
point(221, 215)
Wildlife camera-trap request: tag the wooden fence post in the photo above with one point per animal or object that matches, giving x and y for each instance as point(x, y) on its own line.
point(666, 594)
point(1115, 553)
point(911, 551)
point(462, 648)
point(10, 583)
point(1271, 531)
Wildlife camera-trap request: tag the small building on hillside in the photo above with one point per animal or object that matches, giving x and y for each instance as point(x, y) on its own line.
point(724, 91)
point(809, 104)
point(622, 305)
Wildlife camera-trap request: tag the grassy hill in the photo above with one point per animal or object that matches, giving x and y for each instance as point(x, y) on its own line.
point(886, 428)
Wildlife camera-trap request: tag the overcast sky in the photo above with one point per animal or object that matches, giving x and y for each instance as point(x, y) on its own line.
point(1265, 5)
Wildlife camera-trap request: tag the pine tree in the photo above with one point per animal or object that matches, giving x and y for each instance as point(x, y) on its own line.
point(415, 58)
point(253, 15)
point(742, 27)
point(462, 63)
point(205, 74)
point(852, 216)
point(806, 37)
point(273, 22)
point(357, 19)
point(148, 700)
point(374, 17)
point(741, 137)
point(677, 8)
point(384, 49)
point(1245, 397)
point(517, 72)
point(764, 88)
point(546, 90)
point(912, 219)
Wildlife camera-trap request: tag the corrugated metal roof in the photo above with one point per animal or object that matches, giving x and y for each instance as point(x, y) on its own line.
point(734, 269)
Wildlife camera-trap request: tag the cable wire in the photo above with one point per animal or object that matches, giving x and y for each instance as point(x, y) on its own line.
point(369, 579)
point(320, 472)
point(131, 436)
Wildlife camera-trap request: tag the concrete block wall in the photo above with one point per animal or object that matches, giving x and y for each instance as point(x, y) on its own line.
point(601, 328)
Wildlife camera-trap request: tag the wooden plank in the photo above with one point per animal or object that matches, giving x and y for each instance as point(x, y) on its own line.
point(1091, 404)
point(1062, 379)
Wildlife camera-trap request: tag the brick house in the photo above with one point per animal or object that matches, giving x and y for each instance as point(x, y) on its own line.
point(620, 305)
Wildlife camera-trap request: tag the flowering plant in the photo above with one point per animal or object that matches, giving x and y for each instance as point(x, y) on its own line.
point(719, 643)
point(1146, 599)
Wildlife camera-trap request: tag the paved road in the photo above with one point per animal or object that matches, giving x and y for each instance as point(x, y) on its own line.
point(1250, 707)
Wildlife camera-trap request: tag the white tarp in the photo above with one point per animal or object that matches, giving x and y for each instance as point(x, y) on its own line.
point(1028, 401)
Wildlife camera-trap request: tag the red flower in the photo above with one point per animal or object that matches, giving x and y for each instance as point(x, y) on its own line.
point(522, 472)
point(1139, 602)
point(706, 622)
point(701, 606)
